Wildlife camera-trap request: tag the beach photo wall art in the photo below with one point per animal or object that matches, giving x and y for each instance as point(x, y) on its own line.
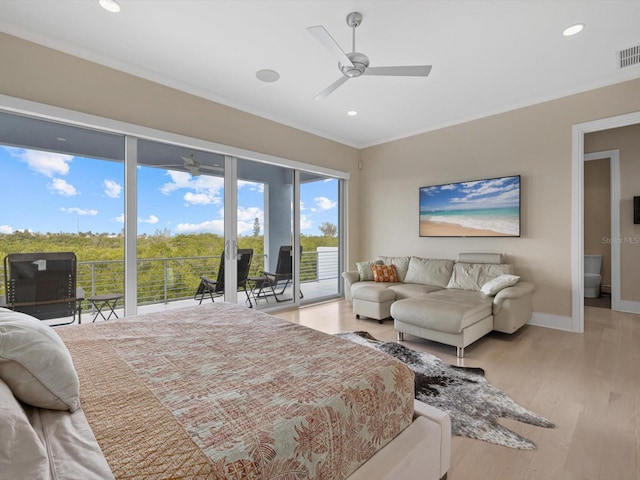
point(479, 208)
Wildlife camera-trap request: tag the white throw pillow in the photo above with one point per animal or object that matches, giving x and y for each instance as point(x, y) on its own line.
point(22, 454)
point(35, 363)
point(503, 281)
point(364, 270)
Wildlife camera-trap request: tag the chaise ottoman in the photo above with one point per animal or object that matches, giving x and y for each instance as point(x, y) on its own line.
point(451, 316)
point(373, 300)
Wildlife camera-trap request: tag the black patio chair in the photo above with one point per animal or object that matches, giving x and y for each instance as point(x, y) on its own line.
point(43, 285)
point(215, 288)
point(283, 275)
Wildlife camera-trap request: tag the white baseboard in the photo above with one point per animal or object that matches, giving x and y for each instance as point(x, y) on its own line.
point(627, 306)
point(557, 322)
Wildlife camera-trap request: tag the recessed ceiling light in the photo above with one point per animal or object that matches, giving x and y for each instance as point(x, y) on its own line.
point(267, 75)
point(352, 113)
point(573, 29)
point(110, 5)
point(61, 139)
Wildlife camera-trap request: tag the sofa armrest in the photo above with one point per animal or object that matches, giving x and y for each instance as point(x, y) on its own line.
point(515, 291)
point(512, 307)
point(350, 278)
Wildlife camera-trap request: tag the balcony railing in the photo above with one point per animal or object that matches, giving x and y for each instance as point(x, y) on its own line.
point(162, 280)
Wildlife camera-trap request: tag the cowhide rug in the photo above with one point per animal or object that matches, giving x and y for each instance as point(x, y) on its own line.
point(470, 400)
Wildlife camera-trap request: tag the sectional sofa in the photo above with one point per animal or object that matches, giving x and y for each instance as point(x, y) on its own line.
point(447, 301)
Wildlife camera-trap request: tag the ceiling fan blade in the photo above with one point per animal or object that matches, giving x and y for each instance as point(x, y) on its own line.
point(329, 90)
point(408, 71)
point(188, 161)
point(321, 34)
point(193, 170)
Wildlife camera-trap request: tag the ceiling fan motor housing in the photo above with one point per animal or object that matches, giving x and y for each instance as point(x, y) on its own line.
point(360, 63)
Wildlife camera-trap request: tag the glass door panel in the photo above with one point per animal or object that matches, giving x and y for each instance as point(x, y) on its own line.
point(64, 192)
point(180, 224)
point(265, 226)
point(319, 236)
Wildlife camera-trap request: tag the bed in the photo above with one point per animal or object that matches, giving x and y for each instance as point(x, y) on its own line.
point(221, 391)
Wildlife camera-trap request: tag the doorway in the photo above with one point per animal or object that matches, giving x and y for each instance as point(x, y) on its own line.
point(601, 218)
point(577, 210)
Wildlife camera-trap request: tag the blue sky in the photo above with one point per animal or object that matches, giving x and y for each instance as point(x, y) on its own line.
point(51, 192)
point(501, 192)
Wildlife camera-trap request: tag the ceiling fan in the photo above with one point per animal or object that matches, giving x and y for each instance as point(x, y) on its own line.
point(193, 167)
point(355, 63)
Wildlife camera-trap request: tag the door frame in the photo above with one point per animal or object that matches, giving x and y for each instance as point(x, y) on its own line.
point(578, 131)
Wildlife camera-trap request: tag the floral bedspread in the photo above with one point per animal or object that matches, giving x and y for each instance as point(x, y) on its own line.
point(221, 391)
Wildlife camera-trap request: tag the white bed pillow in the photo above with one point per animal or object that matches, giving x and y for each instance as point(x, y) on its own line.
point(22, 454)
point(502, 281)
point(35, 363)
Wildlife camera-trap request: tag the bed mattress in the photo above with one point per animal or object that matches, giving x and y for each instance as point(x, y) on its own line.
point(221, 391)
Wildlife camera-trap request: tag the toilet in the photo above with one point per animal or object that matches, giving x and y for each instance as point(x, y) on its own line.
point(592, 264)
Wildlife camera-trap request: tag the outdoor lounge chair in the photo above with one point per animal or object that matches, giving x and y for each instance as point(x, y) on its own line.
point(43, 285)
point(279, 280)
point(215, 288)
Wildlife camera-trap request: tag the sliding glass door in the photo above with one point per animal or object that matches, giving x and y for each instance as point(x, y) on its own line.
point(265, 226)
point(149, 218)
point(180, 223)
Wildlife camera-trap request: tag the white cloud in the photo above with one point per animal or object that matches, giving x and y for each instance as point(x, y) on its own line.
point(203, 198)
point(323, 203)
point(48, 164)
point(61, 187)
point(247, 217)
point(253, 186)
point(203, 190)
point(151, 219)
point(6, 229)
point(79, 211)
point(305, 223)
point(209, 226)
point(112, 189)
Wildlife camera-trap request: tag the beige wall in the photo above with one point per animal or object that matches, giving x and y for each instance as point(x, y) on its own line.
point(597, 214)
point(627, 140)
point(534, 142)
point(43, 75)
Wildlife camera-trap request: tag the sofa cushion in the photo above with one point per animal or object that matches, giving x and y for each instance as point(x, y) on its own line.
point(364, 269)
point(408, 290)
point(372, 292)
point(447, 311)
point(472, 276)
point(429, 271)
point(384, 273)
point(500, 282)
point(401, 264)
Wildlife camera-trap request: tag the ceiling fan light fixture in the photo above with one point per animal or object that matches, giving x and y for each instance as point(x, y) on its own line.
point(573, 29)
point(267, 75)
point(110, 5)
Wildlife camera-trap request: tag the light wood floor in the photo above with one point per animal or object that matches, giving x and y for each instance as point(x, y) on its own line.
point(587, 384)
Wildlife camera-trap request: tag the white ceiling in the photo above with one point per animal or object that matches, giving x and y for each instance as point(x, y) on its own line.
point(487, 56)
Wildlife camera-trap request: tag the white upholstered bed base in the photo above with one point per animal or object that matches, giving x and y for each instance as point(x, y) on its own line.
point(422, 450)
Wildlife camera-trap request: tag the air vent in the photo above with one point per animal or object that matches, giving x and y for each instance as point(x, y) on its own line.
point(629, 56)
